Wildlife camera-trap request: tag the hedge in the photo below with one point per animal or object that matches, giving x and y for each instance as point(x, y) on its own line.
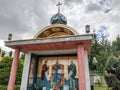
point(3, 87)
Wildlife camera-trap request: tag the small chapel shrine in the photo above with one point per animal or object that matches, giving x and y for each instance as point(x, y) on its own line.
point(56, 58)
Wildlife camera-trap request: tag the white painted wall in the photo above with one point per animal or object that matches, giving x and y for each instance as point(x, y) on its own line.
point(25, 71)
point(87, 71)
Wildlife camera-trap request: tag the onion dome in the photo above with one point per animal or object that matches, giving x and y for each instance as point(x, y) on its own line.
point(58, 19)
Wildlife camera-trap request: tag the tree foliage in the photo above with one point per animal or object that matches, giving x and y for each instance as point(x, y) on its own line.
point(3, 53)
point(116, 46)
point(101, 50)
point(22, 56)
point(112, 72)
point(10, 53)
point(108, 64)
point(5, 65)
point(5, 68)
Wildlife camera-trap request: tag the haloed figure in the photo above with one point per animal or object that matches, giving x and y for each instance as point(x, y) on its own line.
point(57, 75)
point(71, 75)
point(44, 72)
point(72, 70)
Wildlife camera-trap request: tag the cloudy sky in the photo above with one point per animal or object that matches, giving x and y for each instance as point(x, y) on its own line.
point(24, 18)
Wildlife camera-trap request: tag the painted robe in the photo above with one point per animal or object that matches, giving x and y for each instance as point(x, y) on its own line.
point(57, 74)
point(72, 70)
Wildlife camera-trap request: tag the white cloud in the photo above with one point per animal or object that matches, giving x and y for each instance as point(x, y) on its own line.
point(24, 18)
point(3, 47)
point(1, 43)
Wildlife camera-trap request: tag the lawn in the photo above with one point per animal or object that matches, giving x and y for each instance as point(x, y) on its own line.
point(101, 88)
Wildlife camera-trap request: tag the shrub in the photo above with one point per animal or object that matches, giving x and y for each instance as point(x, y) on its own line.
point(3, 87)
point(112, 73)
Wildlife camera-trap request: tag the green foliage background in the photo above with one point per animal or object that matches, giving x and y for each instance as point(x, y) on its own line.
point(4, 87)
point(112, 75)
point(107, 54)
point(5, 68)
point(102, 50)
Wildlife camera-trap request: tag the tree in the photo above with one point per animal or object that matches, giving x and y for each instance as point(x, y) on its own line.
point(19, 72)
point(104, 53)
point(22, 56)
point(95, 50)
point(10, 53)
point(101, 49)
point(112, 72)
point(5, 65)
point(3, 53)
point(116, 46)
point(0, 50)
point(5, 68)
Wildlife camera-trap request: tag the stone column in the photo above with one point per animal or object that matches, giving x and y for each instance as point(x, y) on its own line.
point(13, 72)
point(25, 73)
point(87, 70)
point(81, 68)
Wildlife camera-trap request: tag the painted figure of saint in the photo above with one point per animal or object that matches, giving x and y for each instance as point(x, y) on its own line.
point(71, 75)
point(57, 73)
point(44, 72)
point(57, 76)
point(72, 70)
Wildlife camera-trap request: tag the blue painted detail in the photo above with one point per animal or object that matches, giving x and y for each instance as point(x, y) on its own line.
point(71, 83)
point(60, 16)
point(58, 19)
point(33, 86)
point(29, 88)
point(66, 83)
point(46, 84)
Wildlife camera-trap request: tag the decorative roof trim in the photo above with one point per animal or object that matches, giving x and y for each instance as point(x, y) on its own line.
point(56, 25)
point(49, 40)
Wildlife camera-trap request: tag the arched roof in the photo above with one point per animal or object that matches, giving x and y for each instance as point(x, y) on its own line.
point(56, 30)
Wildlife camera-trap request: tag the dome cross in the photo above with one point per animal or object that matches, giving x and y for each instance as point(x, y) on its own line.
point(59, 6)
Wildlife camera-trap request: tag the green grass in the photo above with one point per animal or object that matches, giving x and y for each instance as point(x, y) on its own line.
point(101, 88)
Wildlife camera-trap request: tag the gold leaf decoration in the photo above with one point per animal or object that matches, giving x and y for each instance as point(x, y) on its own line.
point(55, 29)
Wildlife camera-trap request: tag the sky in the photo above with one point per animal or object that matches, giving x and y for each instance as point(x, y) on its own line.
point(24, 18)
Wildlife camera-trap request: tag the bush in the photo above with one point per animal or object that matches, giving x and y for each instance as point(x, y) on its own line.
point(5, 68)
point(112, 73)
point(17, 87)
point(3, 87)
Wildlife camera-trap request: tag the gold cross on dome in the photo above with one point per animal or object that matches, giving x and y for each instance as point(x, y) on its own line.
point(59, 6)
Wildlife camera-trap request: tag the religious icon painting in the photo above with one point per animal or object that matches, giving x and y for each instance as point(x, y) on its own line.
point(57, 73)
